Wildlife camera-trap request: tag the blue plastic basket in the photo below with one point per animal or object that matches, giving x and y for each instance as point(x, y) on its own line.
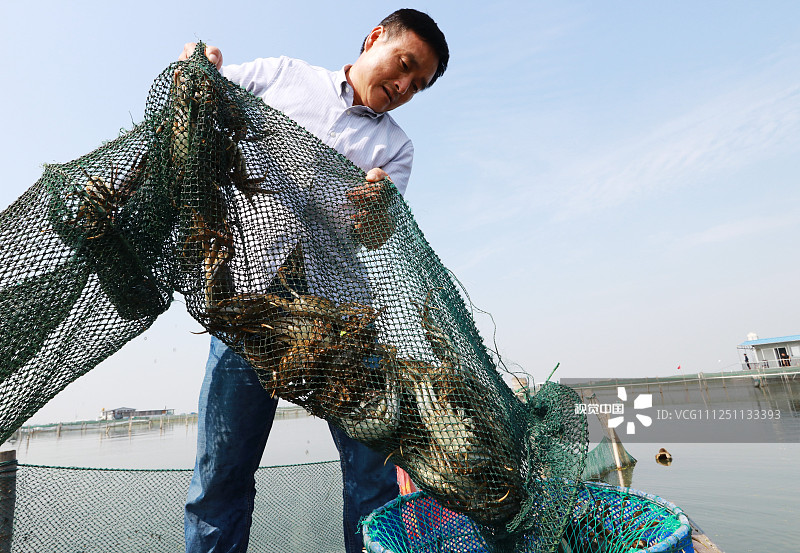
point(659, 525)
point(416, 523)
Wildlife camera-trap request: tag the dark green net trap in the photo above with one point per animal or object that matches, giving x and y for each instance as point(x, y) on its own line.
point(325, 285)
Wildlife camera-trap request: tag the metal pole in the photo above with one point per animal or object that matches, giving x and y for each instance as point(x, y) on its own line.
point(8, 497)
point(612, 435)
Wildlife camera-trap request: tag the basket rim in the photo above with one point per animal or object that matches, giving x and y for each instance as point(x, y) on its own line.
point(373, 546)
point(682, 532)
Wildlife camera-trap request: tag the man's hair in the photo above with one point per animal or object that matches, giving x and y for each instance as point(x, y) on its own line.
point(424, 27)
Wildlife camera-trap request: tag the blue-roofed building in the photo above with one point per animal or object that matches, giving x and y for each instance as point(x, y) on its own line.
point(770, 353)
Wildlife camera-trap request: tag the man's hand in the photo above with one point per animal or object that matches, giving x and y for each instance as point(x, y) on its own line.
point(213, 54)
point(372, 225)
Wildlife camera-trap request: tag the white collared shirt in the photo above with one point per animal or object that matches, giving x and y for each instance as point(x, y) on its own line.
point(321, 101)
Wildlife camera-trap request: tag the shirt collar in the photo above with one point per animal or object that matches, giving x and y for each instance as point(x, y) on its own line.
point(346, 94)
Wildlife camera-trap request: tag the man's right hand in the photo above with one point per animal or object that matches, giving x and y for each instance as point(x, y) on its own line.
point(372, 224)
point(213, 54)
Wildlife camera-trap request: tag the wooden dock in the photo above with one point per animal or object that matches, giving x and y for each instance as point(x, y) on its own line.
point(701, 542)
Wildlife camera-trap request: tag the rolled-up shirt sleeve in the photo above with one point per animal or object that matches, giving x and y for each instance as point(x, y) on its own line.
point(399, 168)
point(255, 76)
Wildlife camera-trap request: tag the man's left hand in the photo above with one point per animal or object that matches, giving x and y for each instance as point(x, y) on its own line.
point(372, 224)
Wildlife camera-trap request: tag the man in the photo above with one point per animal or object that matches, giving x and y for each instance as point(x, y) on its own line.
point(347, 110)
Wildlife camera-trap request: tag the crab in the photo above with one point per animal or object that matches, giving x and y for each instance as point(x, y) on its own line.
point(460, 454)
point(376, 416)
point(99, 199)
point(306, 348)
point(214, 248)
point(186, 104)
point(185, 115)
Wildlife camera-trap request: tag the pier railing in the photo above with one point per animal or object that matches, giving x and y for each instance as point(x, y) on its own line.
point(771, 364)
point(756, 373)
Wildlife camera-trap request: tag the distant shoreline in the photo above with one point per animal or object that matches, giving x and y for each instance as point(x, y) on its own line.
point(283, 412)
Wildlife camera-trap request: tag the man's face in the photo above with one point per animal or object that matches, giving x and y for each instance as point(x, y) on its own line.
point(391, 69)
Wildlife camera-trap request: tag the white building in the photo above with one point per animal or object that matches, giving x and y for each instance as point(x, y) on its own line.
point(129, 412)
point(770, 352)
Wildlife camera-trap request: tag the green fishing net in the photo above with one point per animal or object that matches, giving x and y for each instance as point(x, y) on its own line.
point(326, 286)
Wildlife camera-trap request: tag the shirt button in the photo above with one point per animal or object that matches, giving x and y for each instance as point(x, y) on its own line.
point(332, 133)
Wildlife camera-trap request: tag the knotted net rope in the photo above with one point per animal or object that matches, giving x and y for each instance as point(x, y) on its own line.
point(228, 202)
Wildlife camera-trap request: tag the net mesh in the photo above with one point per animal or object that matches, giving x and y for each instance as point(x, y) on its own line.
point(606, 457)
point(69, 509)
point(324, 284)
point(297, 508)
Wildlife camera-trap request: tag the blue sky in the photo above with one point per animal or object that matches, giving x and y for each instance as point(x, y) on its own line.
point(616, 182)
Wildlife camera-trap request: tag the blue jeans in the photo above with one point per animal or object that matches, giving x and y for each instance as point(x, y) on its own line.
point(234, 421)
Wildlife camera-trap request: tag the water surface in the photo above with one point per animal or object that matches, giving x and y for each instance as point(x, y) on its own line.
point(746, 495)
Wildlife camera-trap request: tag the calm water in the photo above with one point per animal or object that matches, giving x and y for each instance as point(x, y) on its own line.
point(292, 441)
point(746, 496)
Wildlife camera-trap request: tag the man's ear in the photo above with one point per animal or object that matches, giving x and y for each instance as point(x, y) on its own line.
point(373, 36)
